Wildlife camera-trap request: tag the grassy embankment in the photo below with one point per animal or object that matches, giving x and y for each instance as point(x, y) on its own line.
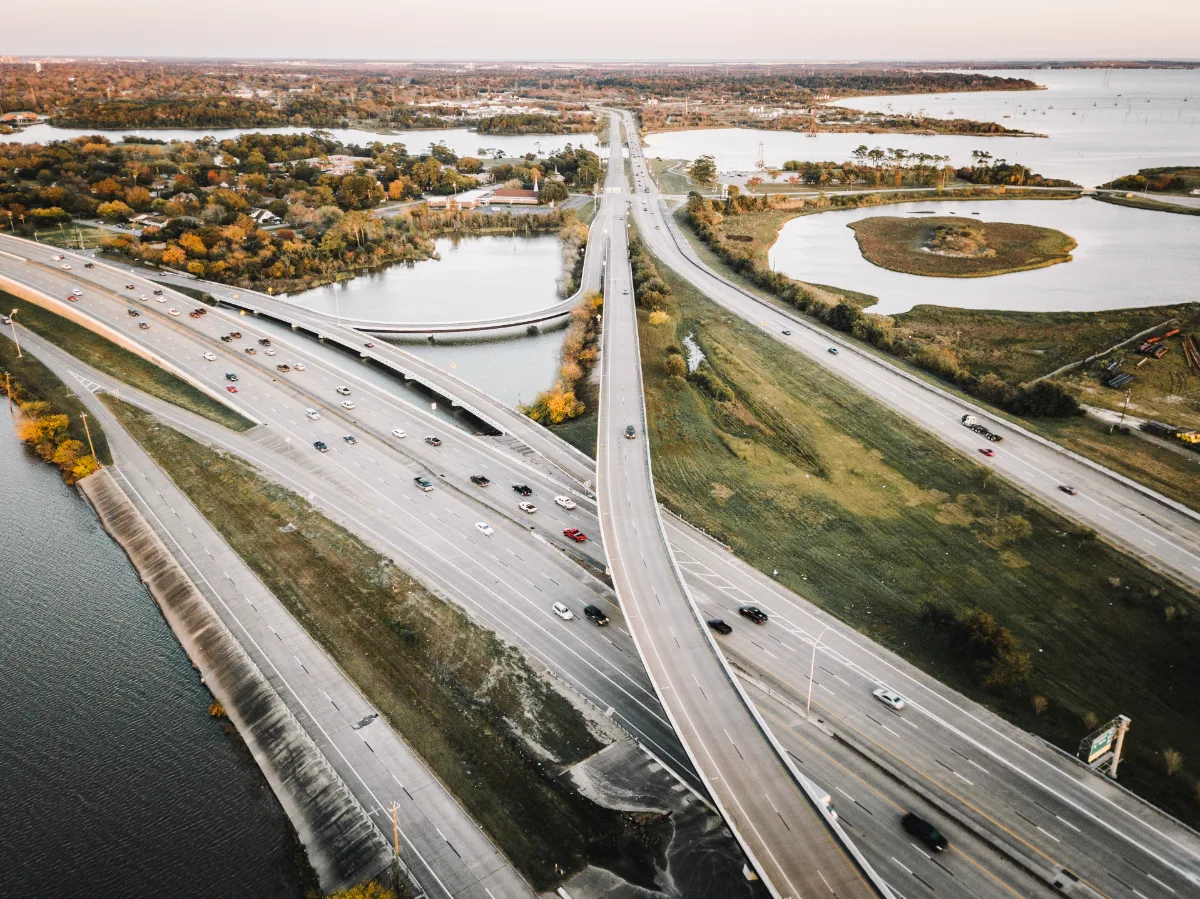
point(121, 364)
point(948, 247)
point(1177, 180)
point(1020, 346)
point(33, 382)
point(71, 235)
point(491, 729)
point(871, 518)
point(1143, 202)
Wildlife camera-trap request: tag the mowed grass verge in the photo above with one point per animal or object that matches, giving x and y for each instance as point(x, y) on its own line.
point(871, 518)
point(492, 730)
point(32, 381)
point(119, 363)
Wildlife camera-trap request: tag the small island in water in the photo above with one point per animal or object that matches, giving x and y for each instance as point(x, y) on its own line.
point(951, 247)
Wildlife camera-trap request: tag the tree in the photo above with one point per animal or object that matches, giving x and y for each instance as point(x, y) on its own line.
point(174, 256)
point(115, 211)
point(704, 170)
point(675, 366)
point(553, 192)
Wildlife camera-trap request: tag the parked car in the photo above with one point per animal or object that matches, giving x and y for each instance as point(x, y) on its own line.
point(925, 832)
point(396, 432)
point(433, 441)
point(890, 698)
point(754, 613)
point(1069, 491)
point(720, 626)
point(527, 507)
point(350, 439)
point(562, 611)
point(320, 445)
point(575, 534)
point(594, 613)
point(423, 483)
point(565, 502)
point(484, 528)
point(630, 432)
point(480, 480)
point(523, 489)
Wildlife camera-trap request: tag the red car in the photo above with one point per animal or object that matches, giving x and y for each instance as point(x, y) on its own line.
point(71, 298)
point(988, 452)
point(575, 534)
point(231, 389)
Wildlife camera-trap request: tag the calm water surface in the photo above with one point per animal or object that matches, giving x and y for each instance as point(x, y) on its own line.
point(116, 782)
point(1123, 121)
point(460, 140)
point(1125, 258)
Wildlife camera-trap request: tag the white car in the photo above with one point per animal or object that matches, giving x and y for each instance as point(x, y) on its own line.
point(565, 501)
point(527, 508)
point(890, 698)
point(77, 292)
point(396, 432)
point(346, 404)
point(161, 299)
point(144, 298)
point(313, 414)
point(67, 267)
point(299, 366)
point(562, 611)
point(484, 528)
point(211, 357)
point(269, 351)
point(59, 258)
point(172, 311)
point(343, 390)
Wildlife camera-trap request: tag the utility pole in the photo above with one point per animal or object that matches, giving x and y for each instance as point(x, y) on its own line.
point(88, 431)
point(396, 841)
point(12, 322)
point(8, 392)
point(811, 671)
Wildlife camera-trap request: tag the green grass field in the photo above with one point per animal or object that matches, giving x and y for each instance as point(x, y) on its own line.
point(69, 237)
point(467, 703)
point(869, 517)
point(121, 364)
point(32, 382)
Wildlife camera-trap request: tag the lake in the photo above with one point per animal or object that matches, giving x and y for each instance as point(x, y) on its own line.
point(117, 782)
point(1154, 122)
point(1125, 258)
point(460, 140)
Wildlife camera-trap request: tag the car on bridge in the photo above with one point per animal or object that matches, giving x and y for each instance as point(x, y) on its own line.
point(264, 341)
point(342, 390)
point(230, 376)
point(299, 366)
point(562, 611)
point(396, 432)
point(596, 614)
point(720, 626)
point(754, 613)
point(890, 698)
point(231, 388)
point(484, 528)
point(832, 351)
point(283, 367)
point(346, 404)
point(210, 357)
point(320, 445)
point(313, 414)
point(527, 507)
point(575, 534)
point(133, 312)
point(523, 489)
point(630, 432)
point(173, 311)
point(433, 441)
point(480, 480)
point(350, 439)
point(1068, 490)
point(987, 451)
point(924, 831)
point(423, 483)
point(144, 326)
point(565, 502)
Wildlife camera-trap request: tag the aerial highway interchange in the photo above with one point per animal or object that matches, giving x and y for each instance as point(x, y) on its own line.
point(1017, 812)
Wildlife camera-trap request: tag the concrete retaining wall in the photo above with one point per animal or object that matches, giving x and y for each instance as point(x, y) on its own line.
point(343, 845)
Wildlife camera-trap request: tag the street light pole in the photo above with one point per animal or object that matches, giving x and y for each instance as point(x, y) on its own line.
point(12, 322)
point(812, 670)
point(88, 431)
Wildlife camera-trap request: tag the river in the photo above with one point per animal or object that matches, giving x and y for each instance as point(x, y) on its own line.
point(1125, 258)
point(116, 781)
point(460, 140)
point(1103, 124)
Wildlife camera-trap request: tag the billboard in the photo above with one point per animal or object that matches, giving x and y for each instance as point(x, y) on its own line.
point(1101, 743)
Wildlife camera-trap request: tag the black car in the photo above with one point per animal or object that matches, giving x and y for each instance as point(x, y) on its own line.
point(479, 480)
point(720, 626)
point(433, 441)
point(320, 445)
point(593, 613)
point(630, 433)
point(264, 341)
point(925, 832)
point(133, 312)
point(230, 376)
point(754, 613)
point(225, 338)
point(89, 265)
point(523, 489)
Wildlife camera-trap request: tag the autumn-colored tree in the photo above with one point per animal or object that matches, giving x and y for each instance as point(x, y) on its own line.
point(675, 366)
point(139, 198)
point(194, 246)
point(174, 256)
point(114, 211)
point(106, 188)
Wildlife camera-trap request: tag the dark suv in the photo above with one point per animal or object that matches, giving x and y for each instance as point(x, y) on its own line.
point(523, 489)
point(480, 480)
point(924, 831)
point(754, 613)
point(720, 626)
point(593, 613)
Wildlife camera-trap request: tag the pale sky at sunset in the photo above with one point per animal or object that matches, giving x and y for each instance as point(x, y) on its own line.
point(622, 29)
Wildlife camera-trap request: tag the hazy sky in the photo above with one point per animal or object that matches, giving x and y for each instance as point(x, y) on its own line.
point(619, 29)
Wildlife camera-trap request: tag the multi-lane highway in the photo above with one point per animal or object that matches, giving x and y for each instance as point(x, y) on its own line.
point(1027, 799)
point(750, 778)
point(1153, 527)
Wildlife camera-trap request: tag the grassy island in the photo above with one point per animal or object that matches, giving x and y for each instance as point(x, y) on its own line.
point(951, 247)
